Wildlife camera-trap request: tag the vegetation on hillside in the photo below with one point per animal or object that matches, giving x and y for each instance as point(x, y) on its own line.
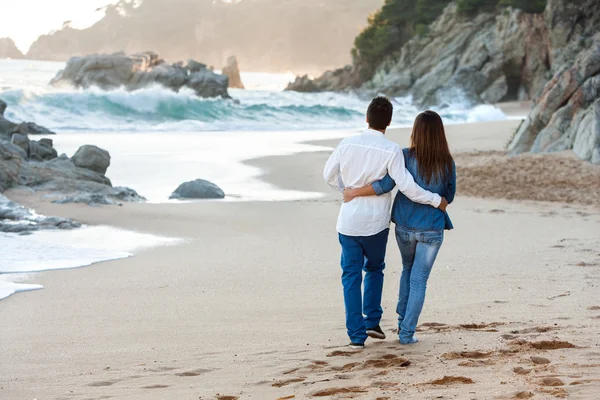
point(399, 20)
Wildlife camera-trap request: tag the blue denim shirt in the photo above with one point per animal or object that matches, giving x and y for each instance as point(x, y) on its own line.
point(414, 216)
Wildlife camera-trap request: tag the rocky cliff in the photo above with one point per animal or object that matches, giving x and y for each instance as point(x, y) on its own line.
point(8, 49)
point(552, 58)
point(265, 35)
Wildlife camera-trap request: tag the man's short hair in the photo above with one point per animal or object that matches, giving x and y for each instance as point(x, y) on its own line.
point(379, 113)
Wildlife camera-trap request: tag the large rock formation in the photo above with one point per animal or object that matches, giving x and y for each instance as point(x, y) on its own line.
point(8, 49)
point(35, 164)
point(136, 71)
point(232, 71)
point(567, 113)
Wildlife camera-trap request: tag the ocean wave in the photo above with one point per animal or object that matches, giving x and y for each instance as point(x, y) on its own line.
point(162, 110)
point(159, 109)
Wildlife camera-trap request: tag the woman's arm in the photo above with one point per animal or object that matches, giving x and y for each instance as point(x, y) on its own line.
point(451, 188)
point(385, 185)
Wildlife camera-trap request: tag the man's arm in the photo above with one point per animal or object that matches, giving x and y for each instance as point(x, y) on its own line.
point(331, 172)
point(406, 184)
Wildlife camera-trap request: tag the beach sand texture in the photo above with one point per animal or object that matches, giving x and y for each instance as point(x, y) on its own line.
point(250, 305)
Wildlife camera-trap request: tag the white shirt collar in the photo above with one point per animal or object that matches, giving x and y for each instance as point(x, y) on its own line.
point(372, 132)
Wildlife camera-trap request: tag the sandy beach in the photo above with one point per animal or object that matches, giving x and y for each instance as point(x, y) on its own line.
point(250, 305)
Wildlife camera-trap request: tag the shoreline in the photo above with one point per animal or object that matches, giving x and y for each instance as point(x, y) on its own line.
point(254, 292)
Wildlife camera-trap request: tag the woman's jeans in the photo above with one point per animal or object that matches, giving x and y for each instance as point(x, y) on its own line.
point(418, 250)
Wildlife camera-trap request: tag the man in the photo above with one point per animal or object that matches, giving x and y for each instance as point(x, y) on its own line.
point(363, 223)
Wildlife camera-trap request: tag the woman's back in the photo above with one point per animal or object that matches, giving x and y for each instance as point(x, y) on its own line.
point(420, 217)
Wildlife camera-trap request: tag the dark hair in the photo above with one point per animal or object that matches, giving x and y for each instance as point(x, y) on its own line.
point(379, 113)
point(429, 146)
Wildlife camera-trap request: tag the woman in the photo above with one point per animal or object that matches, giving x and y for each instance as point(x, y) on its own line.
point(419, 228)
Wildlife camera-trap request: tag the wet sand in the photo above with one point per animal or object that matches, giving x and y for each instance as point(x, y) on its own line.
point(250, 305)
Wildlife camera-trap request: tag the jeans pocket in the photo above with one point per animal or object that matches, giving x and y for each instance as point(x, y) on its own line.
point(403, 237)
point(433, 237)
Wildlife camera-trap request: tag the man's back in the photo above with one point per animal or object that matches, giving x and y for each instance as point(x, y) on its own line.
point(362, 160)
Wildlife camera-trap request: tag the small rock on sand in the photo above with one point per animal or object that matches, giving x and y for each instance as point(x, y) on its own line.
point(552, 382)
point(540, 360)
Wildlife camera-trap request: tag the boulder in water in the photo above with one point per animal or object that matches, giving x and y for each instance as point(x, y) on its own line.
point(93, 158)
point(198, 189)
point(136, 71)
point(232, 71)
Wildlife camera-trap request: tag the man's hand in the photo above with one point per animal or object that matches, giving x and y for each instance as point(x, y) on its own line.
point(442, 205)
point(349, 194)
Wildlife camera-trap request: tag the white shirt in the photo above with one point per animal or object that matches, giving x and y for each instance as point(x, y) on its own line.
point(359, 161)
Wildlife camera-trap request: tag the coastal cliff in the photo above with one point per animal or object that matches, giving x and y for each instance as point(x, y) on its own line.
point(503, 54)
point(8, 49)
point(265, 35)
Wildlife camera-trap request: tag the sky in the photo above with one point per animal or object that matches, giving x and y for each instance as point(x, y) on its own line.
point(25, 20)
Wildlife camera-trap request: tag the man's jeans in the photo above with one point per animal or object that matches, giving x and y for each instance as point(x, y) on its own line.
point(363, 253)
point(418, 250)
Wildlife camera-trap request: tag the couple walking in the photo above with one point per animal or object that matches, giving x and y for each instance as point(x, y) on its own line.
point(366, 168)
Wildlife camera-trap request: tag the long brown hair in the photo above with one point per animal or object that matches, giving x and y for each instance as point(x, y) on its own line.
point(429, 146)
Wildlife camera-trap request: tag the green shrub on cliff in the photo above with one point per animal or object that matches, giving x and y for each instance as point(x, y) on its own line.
point(473, 7)
point(392, 26)
point(399, 20)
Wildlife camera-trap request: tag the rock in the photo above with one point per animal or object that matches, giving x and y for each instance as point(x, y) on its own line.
point(303, 84)
point(208, 84)
point(8, 49)
point(21, 141)
point(195, 66)
point(198, 189)
point(136, 71)
point(8, 128)
point(232, 71)
point(92, 158)
point(566, 115)
point(41, 150)
point(341, 79)
point(14, 218)
point(10, 166)
point(31, 128)
point(539, 360)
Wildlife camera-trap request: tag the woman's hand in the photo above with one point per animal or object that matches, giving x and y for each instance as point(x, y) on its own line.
point(349, 194)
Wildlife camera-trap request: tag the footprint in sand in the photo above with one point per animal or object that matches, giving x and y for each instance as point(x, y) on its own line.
point(552, 382)
point(196, 372)
point(466, 354)
point(552, 345)
point(155, 387)
point(522, 371)
point(102, 383)
point(523, 395)
point(452, 380)
point(288, 382)
point(220, 397)
point(336, 390)
point(340, 353)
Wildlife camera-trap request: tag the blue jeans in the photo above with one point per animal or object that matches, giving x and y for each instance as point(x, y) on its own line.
point(363, 253)
point(418, 250)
